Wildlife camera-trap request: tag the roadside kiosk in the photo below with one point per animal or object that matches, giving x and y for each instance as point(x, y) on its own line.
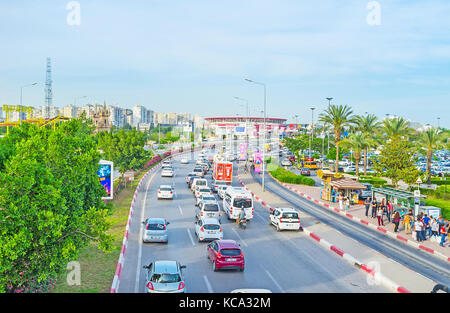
point(336, 183)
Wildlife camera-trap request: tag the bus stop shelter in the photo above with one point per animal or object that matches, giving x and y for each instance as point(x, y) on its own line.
point(402, 201)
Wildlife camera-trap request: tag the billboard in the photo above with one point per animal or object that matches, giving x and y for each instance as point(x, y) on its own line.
point(258, 162)
point(239, 129)
point(105, 176)
point(243, 151)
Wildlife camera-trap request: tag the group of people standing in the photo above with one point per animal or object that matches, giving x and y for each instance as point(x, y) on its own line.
point(424, 226)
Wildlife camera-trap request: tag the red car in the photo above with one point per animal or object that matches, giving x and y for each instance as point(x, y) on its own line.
point(226, 254)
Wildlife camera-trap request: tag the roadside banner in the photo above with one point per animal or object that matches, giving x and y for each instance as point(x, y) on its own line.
point(258, 162)
point(243, 151)
point(105, 176)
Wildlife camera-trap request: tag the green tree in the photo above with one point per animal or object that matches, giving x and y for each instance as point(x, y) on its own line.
point(369, 126)
point(50, 204)
point(397, 162)
point(357, 143)
point(338, 117)
point(396, 127)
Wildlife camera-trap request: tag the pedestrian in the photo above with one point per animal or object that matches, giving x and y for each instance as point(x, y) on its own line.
point(341, 201)
point(434, 228)
point(347, 203)
point(418, 228)
point(390, 210)
point(440, 222)
point(407, 223)
point(383, 206)
point(367, 205)
point(426, 222)
point(396, 219)
point(380, 216)
point(374, 207)
point(443, 235)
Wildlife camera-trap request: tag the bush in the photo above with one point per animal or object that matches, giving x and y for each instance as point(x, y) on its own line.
point(288, 177)
point(374, 181)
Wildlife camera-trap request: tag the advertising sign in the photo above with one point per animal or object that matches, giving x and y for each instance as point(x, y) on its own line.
point(105, 175)
point(243, 151)
point(239, 129)
point(258, 162)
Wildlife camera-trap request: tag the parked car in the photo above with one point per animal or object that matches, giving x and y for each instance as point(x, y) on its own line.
point(184, 161)
point(165, 192)
point(208, 229)
point(226, 254)
point(285, 218)
point(155, 230)
point(164, 276)
point(286, 162)
point(305, 172)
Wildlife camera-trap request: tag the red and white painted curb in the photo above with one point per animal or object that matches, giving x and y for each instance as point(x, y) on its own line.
point(378, 228)
point(119, 267)
point(377, 276)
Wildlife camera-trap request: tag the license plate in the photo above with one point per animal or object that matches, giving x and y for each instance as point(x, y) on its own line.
point(154, 237)
point(210, 214)
point(211, 232)
point(231, 260)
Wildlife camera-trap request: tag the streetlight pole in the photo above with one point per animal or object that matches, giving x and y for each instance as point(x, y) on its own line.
point(20, 107)
point(312, 130)
point(438, 121)
point(246, 118)
point(264, 141)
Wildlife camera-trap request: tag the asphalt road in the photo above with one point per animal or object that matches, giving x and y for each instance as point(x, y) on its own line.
point(419, 261)
point(280, 262)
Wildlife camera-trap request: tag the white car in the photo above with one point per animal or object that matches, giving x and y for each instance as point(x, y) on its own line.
point(208, 229)
point(205, 198)
point(166, 163)
point(167, 172)
point(202, 190)
point(184, 161)
point(349, 169)
point(286, 162)
point(221, 190)
point(285, 218)
point(165, 192)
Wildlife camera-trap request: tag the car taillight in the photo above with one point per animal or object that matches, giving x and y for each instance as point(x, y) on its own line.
point(202, 229)
point(242, 254)
point(171, 192)
point(220, 230)
point(159, 191)
point(150, 286)
point(146, 227)
point(201, 214)
point(181, 286)
point(281, 220)
point(219, 255)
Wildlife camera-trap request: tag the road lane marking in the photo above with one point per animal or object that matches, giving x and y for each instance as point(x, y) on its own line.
point(240, 239)
point(273, 279)
point(179, 207)
point(138, 268)
point(190, 236)
point(208, 285)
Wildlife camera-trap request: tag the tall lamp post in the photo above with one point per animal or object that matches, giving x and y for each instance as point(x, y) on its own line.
point(246, 118)
point(264, 142)
point(21, 92)
point(312, 131)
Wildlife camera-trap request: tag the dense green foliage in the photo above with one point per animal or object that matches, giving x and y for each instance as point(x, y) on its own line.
point(286, 176)
point(50, 202)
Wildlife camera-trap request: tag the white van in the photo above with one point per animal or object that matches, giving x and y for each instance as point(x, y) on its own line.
point(235, 199)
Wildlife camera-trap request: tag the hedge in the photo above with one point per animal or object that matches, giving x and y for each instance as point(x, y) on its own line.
point(286, 176)
point(374, 181)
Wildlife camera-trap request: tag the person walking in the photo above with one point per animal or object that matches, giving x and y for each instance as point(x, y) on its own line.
point(443, 235)
point(367, 205)
point(341, 201)
point(347, 203)
point(396, 219)
point(434, 228)
point(380, 216)
point(407, 223)
point(374, 207)
point(440, 222)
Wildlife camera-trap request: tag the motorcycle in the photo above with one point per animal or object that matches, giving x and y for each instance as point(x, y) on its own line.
point(243, 223)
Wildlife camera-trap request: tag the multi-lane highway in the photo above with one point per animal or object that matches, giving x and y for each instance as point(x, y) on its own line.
point(280, 262)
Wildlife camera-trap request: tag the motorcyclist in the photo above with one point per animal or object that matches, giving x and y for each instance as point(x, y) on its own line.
point(241, 216)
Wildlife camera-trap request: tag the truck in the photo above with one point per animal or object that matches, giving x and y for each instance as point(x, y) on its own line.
point(222, 172)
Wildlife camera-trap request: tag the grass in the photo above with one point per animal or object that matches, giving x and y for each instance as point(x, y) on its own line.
point(286, 176)
point(97, 267)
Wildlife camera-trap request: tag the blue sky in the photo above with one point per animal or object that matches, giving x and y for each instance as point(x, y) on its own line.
point(193, 56)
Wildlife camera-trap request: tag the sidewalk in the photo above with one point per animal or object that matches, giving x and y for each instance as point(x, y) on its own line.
point(357, 212)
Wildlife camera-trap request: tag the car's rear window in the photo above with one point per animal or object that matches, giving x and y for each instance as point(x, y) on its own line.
point(201, 183)
point(230, 252)
point(165, 189)
point(211, 226)
point(211, 208)
point(155, 226)
point(290, 215)
point(165, 278)
point(208, 198)
point(205, 190)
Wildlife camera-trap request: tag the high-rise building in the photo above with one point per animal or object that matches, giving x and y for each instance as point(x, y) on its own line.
point(69, 111)
point(139, 115)
point(116, 116)
point(150, 114)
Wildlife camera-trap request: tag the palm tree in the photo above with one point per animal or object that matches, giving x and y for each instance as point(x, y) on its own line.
point(396, 127)
point(429, 140)
point(357, 142)
point(338, 117)
point(368, 125)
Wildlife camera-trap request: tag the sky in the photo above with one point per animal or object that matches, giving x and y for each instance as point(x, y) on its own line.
point(381, 57)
